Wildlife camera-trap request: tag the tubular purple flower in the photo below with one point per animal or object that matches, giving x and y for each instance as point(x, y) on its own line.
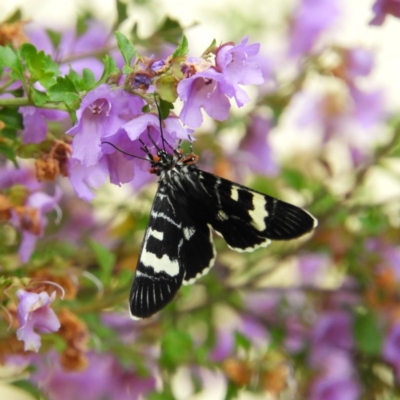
point(35, 125)
point(332, 334)
point(42, 203)
point(238, 65)
point(312, 267)
point(255, 149)
point(391, 349)
point(309, 21)
point(143, 125)
point(84, 179)
point(101, 114)
point(381, 8)
point(104, 378)
point(335, 388)
point(208, 90)
point(34, 314)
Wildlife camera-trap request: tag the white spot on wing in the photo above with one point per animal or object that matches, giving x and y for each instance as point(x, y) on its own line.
point(259, 212)
point(156, 234)
point(222, 215)
point(163, 264)
point(188, 232)
point(234, 193)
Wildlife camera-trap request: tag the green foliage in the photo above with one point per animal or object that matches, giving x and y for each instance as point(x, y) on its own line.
point(64, 90)
point(170, 30)
point(368, 335)
point(110, 69)
point(166, 88)
point(176, 348)
point(105, 259)
point(126, 47)
point(41, 66)
point(9, 59)
point(165, 108)
point(182, 49)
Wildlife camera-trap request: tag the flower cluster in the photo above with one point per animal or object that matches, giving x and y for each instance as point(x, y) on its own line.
point(24, 205)
point(34, 313)
point(112, 118)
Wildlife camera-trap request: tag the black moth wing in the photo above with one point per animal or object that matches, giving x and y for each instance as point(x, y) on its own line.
point(177, 248)
point(245, 218)
point(198, 252)
point(159, 272)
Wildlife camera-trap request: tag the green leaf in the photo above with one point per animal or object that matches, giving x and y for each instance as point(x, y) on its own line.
point(40, 65)
point(176, 347)
point(88, 79)
point(9, 59)
point(241, 341)
point(211, 48)
point(121, 12)
point(28, 387)
point(367, 334)
point(182, 49)
point(126, 47)
point(38, 98)
point(11, 118)
point(166, 88)
point(169, 31)
point(294, 178)
point(165, 108)
point(105, 258)
point(127, 70)
point(64, 90)
point(77, 80)
point(110, 68)
point(8, 151)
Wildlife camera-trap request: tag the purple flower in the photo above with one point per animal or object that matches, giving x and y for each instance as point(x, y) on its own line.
point(85, 179)
point(296, 334)
point(336, 380)
point(328, 388)
point(368, 106)
point(239, 68)
point(359, 62)
point(96, 37)
point(210, 87)
point(31, 220)
point(332, 333)
point(309, 21)
point(208, 90)
point(224, 345)
point(148, 124)
point(391, 349)
point(34, 314)
point(254, 149)
point(35, 125)
point(103, 378)
point(381, 8)
point(29, 217)
point(312, 267)
point(247, 326)
point(101, 116)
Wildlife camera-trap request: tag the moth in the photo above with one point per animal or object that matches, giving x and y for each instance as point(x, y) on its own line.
point(189, 204)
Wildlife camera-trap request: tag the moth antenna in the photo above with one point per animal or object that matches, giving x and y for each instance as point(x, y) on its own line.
point(152, 140)
point(160, 123)
point(190, 144)
point(124, 152)
point(176, 150)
